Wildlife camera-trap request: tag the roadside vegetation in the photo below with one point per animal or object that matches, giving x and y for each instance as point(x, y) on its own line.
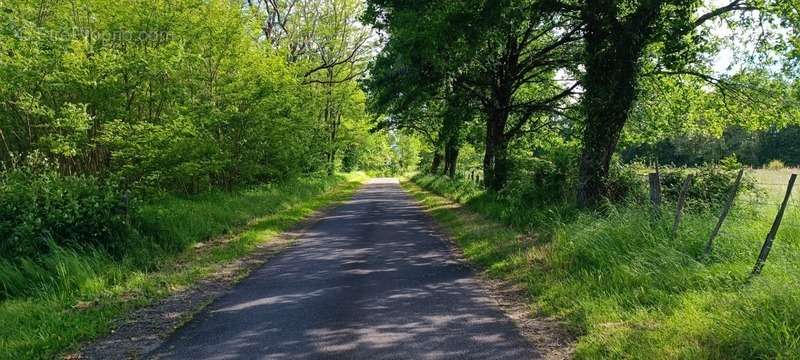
point(133, 132)
point(55, 301)
point(627, 288)
point(561, 124)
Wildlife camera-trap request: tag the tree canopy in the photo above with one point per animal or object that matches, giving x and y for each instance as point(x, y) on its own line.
point(186, 95)
point(596, 72)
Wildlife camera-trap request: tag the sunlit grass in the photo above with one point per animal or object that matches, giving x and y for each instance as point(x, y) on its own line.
point(73, 296)
point(626, 287)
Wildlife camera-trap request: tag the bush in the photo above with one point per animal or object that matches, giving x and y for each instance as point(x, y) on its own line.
point(548, 178)
point(730, 163)
point(776, 165)
point(710, 187)
point(625, 183)
point(40, 207)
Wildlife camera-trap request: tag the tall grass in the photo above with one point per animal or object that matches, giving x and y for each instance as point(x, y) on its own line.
point(625, 285)
point(53, 302)
point(175, 223)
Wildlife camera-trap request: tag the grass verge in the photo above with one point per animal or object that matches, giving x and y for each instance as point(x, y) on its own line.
point(626, 287)
point(70, 296)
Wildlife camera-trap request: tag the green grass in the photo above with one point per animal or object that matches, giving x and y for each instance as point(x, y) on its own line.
point(773, 183)
point(74, 296)
point(624, 285)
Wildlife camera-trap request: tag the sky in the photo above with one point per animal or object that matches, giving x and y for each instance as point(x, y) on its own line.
point(724, 58)
point(724, 62)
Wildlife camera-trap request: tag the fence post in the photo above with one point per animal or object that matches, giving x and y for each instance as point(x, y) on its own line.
point(655, 193)
point(724, 214)
point(681, 203)
point(762, 257)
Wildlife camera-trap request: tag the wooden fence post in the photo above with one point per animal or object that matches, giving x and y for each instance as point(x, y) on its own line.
point(724, 214)
point(762, 257)
point(655, 193)
point(681, 203)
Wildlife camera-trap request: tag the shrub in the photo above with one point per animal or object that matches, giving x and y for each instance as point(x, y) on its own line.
point(710, 187)
point(730, 163)
point(40, 207)
point(625, 183)
point(776, 165)
point(554, 179)
point(551, 177)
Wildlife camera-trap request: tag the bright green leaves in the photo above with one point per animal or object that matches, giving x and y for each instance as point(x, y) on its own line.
point(69, 131)
point(183, 95)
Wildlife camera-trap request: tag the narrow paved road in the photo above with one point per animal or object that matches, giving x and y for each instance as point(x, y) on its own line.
point(372, 280)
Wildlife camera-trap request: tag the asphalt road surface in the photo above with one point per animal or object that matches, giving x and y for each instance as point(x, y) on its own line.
point(372, 280)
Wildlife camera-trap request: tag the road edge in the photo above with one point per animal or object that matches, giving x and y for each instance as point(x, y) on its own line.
point(145, 329)
point(548, 335)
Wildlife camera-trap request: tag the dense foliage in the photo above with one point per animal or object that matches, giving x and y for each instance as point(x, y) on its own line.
point(106, 104)
point(42, 209)
point(633, 77)
point(178, 95)
point(130, 131)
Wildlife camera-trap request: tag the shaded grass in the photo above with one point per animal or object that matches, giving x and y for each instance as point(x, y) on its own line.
point(72, 296)
point(625, 286)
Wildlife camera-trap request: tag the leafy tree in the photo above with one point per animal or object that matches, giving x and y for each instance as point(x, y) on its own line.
point(180, 95)
point(681, 120)
point(619, 35)
point(503, 55)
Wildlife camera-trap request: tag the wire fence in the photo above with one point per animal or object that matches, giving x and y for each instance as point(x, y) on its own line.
point(767, 200)
point(774, 203)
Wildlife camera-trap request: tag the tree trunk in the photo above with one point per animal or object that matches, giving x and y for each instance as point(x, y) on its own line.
point(332, 119)
point(607, 103)
point(599, 144)
point(437, 161)
point(612, 65)
point(495, 160)
point(451, 157)
point(332, 162)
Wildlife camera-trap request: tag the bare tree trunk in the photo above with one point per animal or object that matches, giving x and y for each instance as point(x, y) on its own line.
point(332, 121)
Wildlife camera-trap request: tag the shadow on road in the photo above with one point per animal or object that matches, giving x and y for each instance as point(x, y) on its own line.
point(370, 281)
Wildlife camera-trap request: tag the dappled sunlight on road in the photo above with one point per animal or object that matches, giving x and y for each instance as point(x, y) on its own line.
point(370, 281)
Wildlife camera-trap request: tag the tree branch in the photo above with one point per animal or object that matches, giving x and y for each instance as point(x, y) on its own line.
point(735, 5)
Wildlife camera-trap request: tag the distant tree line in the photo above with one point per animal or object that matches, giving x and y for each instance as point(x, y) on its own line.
point(756, 149)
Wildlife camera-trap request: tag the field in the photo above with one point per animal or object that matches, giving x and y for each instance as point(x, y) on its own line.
point(626, 287)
